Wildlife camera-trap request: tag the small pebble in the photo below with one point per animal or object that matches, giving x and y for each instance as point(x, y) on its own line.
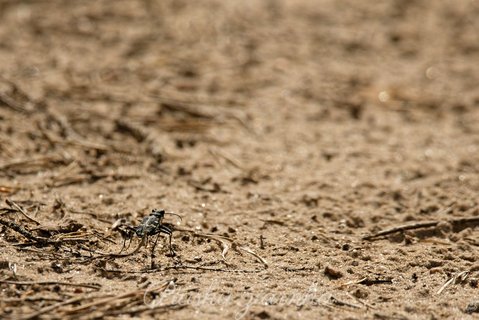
point(333, 273)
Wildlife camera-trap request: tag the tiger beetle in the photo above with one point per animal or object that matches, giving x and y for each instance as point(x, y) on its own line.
point(150, 225)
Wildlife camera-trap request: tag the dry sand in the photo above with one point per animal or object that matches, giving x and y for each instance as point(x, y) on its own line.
point(292, 129)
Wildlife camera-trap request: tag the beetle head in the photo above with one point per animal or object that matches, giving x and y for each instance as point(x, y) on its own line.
point(158, 213)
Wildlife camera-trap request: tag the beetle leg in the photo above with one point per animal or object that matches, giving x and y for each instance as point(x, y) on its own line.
point(152, 257)
point(123, 246)
point(129, 242)
point(169, 232)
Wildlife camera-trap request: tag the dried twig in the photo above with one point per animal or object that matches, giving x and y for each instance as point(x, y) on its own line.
point(57, 306)
point(102, 302)
point(14, 205)
point(14, 226)
point(37, 240)
point(213, 269)
point(41, 162)
point(179, 267)
point(187, 109)
point(217, 153)
point(248, 250)
point(91, 178)
point(46, 283)
point(226, 243)
point(11, 102)
point(368, 281)
point(31, 299)
point(457, 278)
point(200, 186)
point(419, 225)
point(292, 269)
point(402, 228)
point(8, 189)
point(147, 309)
point(92, 145)
point(340, 303)
point(136, 131)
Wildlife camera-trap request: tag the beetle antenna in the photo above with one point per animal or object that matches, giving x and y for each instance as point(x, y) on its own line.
point(174, 214)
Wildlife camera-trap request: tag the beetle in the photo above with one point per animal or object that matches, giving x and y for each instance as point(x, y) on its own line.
point(150, 225)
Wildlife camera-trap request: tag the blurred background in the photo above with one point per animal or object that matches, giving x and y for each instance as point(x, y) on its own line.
point(319, 121)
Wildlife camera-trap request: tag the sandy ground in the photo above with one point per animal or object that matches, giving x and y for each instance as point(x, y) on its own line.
point(283, 133)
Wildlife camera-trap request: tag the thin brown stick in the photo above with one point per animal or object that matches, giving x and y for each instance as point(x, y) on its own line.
point(102, 302)
point(9, 102)
point(134, 293)
point(458, 277)
point(402, 228)
point(419, 225)
point(90, 178)
point(31, 299)
point(254, 254)
point(8, 189)
point(93, 145)
point(369, 281)
point(187, 109)
point(136, 131)
point(55, 306)
point(45, 241)
point(459, 221)
point(341, 303)
point(36, 240)
point(200, 187)
point(14, 205)
point(46, 283)
point(12, 103)
point(15, 227)
point(179, 267)
point(163, 98)
point(147, 309)
point(217, 153)
point(40, 161)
